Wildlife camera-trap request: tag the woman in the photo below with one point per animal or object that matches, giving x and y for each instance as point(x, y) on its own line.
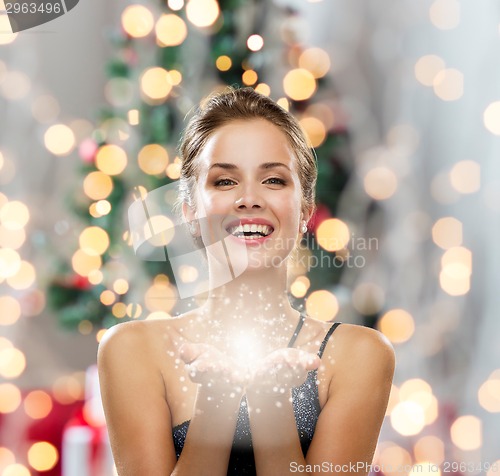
point(245, 384)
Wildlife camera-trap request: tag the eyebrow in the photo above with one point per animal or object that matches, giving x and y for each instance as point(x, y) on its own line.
point(264, 166)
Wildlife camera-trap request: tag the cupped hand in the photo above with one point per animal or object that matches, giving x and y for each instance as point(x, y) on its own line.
point(206, 365)
point(281, 370)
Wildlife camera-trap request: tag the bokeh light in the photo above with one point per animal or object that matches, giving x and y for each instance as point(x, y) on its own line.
point(7, 36)
point(314, 129)
point(445, 14)
point(332, 234)
point(137, 21)
point(155, 83)
point(322, 305)
point(429, 448)
point(380, 183)
point(449, 84)
point(11, 310)
point(24, 278)
point(299, 84)
point(263, 89)
point(491, 118)
point(466, 432)
point(447, 232)
point(465, 176)
point(111, 159)
point(175, 4)
point(97, 185)
point(392, 457)
point(14, 215)
point(84, 264)
point(12, 363)
point(16, 469)
point(223, 63)
point(249, 77)
point(160, 296)
point(120, 286)
point(202, 13)
point(489, 395)
point(300, 286)
point(316, 61)
point(427, 68)
point(94, 240)
point(10, 397)
point(171, 30)
point(59, 139)
point(107, 297)
point(37, 404)
point(408, 418)
point(133, 117)
point(397, 325)
point(255, 42)
point(10, 262)
point(456, 269)
point(68, 389)
point(42, 456)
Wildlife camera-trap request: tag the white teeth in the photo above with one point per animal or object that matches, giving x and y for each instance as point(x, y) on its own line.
point(253, 228)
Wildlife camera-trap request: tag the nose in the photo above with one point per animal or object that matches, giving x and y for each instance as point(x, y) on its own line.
point(249, 199)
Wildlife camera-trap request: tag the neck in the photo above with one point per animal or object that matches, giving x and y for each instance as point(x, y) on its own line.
point(253, 307)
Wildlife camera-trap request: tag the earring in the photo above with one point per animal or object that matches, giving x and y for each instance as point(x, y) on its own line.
point(303, 227)
point(193, 228)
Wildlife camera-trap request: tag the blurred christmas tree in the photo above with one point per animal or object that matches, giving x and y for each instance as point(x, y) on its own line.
point(168, 57)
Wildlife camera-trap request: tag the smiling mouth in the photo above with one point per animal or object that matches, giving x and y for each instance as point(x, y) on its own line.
point(250, 232)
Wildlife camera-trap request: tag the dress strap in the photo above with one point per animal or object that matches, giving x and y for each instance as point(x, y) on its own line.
point(325, 340)
point(297, 330)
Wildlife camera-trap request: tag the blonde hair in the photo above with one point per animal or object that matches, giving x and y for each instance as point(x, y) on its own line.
point(243, 104)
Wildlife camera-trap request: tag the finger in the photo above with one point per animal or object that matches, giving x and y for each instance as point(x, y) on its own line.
point(189, 352)
point(311, 361)
point(176, 337)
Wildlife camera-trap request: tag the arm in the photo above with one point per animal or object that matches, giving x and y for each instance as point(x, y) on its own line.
point(350, 421)
point(133, 396)
point(138, 417)
point(349, 424)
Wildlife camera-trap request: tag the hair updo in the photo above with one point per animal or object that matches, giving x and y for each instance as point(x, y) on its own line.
point(242, 104)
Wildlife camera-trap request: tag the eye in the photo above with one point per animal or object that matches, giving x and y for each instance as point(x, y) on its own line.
point(224, 182)
point(275, 181)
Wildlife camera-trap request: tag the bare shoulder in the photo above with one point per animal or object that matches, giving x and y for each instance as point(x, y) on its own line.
point(126, 338)
point(358, 350)
point(138, 338)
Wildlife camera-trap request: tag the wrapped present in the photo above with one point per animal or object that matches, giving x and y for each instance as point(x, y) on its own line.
point(85, 446)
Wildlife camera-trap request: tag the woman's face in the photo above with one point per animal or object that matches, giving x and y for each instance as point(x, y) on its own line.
point(249, 191)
